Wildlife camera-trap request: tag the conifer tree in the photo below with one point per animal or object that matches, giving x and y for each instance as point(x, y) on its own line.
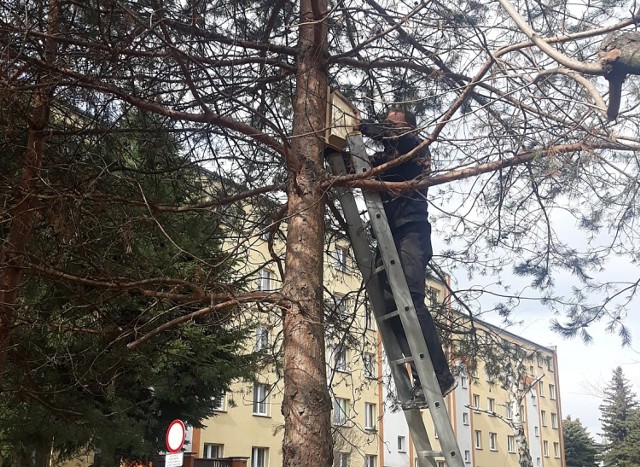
point(619, 417)
point(579, 448)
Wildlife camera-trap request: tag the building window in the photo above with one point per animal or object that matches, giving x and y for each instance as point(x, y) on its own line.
point(265, 280)
point(540, 360)
point(369, 365)
point(467, 457)
point(541, 388)
point(341, 360)
point(536, 431)
point(369, 416)
point(261, 399)
point(538, 462)
point(340, 259)
point(493, 441)
point(402, 444)
point(340, 410)
point(259, 457)
point(545, 448)
point(491, 404)
point(432, 296)
point(465, 418)
point(262, 338)
point(549, 367)
point(511, 443)
point(508, 412)
point(554, 420)
point(219, 403)
point(543, 417)
point(478, 438)
point(534, 400)
point(342, 307)
point(552, 392)
point(342, 460)
point(212, 451)
point(476, 401)
point(556, 450)
point(464, 381)
point(370, 461)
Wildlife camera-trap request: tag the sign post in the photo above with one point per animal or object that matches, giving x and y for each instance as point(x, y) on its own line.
point(175, 440)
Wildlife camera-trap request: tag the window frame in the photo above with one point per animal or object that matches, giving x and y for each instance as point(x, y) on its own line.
point(477, 439)
point(222, 403)
point(207, 449)
point(341, 359)
point(340, 411)
point(370, 417)
point(266, 280)
point(493, 441)
point(369, 361)
point(261, 401)
point(491, 404)
point(258, 460)
point(342, 459)
point(262, 338)
point(476, 401)
point(402, 444)
point(340, 255)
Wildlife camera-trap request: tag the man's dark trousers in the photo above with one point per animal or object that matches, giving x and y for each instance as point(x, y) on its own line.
point(413, 243)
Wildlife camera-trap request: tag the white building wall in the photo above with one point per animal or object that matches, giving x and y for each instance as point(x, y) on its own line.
point(395, 424)
point(533, 425)
point(462, 422)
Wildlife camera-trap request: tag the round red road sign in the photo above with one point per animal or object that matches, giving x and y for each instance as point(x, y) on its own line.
point(175, 436)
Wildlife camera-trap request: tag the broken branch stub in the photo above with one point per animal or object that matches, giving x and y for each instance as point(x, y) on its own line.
point(619, 57)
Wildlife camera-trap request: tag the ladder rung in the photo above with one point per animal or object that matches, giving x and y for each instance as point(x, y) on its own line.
point(431, 453)
point(402, 361)
point(387, 316)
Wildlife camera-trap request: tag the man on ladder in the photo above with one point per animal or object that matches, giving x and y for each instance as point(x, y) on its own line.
point(411, 230)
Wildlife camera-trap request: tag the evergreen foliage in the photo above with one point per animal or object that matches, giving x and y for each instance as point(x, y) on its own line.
point(579, 447)
point(72, 384)
point(620, 417)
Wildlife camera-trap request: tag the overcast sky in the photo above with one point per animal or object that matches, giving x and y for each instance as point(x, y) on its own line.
point(585, 369)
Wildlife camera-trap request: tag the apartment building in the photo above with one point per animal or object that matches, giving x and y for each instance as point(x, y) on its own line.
point(484, 408)
point(249, 422)
point(369, 431)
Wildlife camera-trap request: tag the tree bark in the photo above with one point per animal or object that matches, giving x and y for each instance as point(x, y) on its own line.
point(15, 245)
point(306, 406)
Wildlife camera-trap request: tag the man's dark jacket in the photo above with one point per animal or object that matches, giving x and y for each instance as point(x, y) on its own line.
point(410, 206)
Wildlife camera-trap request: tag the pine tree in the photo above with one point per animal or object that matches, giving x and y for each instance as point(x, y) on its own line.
point(619, 419)
point(627, 453)
point(579, 448)
point(71, 383)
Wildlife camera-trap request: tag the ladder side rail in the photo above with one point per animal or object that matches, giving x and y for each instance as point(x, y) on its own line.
point(364, 260)
point(408, 318)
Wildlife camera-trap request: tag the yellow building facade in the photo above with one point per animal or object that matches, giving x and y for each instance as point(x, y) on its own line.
point(367, 430)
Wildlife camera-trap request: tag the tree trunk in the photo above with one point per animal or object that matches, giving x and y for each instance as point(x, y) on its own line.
point(306, 406)
point(14, 248)
point(524, 455)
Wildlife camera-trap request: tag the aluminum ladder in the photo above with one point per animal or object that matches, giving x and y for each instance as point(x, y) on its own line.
point(409, 319)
